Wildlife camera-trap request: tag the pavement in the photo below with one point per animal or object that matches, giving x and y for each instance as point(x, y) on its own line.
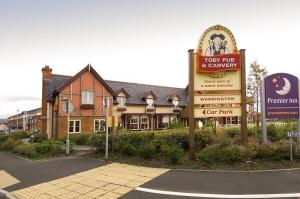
point(75, 177)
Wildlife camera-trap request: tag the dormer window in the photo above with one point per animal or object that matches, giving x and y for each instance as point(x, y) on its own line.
point(150, 102)
point(87, 98)
point(121, 101)
point(175, 102)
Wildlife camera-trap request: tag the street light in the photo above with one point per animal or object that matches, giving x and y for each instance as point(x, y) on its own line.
point(69, 109)
point(17, 120)
point(106, 104)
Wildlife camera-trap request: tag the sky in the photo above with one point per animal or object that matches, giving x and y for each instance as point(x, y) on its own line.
point(143, 41)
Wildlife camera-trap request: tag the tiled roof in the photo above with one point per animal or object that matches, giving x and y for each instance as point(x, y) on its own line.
point(135, 90)
point(54, 83)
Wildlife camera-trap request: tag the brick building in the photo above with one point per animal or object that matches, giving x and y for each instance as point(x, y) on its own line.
point(134, 106)
point(26, 120)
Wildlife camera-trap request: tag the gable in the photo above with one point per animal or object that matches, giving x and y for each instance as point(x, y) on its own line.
point(87, 79)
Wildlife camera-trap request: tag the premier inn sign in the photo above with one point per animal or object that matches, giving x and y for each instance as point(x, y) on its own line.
point(281, 96)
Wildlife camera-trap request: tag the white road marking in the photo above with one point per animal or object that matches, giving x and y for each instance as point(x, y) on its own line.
point(207, 195)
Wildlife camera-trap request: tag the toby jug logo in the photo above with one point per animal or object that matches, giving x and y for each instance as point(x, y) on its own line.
point(282, 85)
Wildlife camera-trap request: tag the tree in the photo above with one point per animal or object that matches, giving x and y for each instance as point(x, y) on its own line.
point(253, 85)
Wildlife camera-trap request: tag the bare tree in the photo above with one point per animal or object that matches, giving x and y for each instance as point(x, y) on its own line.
point(253, 85)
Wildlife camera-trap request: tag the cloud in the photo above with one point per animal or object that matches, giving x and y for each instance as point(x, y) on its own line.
point(19, 98)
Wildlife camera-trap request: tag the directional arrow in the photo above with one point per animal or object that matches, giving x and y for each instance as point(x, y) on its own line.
point(203, 112)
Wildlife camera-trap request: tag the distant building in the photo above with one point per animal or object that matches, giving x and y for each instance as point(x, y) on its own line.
point(26, 120)
point(3, 124)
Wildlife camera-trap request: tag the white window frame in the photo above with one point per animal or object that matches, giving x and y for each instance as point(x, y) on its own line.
point(144, 123)
point(137, 123)
point(150, 102)
point(74, 126)
point(89, 100)
point(121, 101)
point(99, 120)
point(176, 103)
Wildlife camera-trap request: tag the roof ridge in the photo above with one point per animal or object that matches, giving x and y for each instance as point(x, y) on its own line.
point(63, 75)
point(143, 84)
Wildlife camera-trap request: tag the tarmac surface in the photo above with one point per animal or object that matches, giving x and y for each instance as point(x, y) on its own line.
point(131, 182)
point(35, 172)
point(221, 184)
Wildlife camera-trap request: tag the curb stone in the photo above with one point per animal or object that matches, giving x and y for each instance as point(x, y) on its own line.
point(6, 195)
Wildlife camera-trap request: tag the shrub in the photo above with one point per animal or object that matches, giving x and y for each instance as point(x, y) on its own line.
point(146, 150)
point(97, 141)
point(274, 151)
point(172, 152)
point(232, 132)
point(3, 138)
point(10, 143)
point(276, 133)
point(202, 139)
point(49, 147)
point(224, 154)
point(175, 125)
point(20, 135)
point(80, 139)
point(171, 137)
point(39, 137)
point(27, 150)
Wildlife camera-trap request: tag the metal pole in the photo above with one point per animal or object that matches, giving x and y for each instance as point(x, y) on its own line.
point(106, 130)
point(191, 106)
point(243, 127)
point(17, 120)
point(298, 122)
point(291, 149)
point(263, 112)
point(298, 136)
point(68, 135)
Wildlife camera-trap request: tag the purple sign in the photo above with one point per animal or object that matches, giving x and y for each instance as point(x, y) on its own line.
point(281, 96)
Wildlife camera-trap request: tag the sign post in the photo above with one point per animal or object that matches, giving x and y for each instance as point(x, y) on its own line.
point(217, 79)
point(291, 135)
point(263, 113)
point(191, 106)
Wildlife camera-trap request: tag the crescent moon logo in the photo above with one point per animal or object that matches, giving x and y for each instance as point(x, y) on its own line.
point(286, 88)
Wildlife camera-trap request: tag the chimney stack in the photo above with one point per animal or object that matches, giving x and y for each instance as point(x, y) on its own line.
point(47, 72)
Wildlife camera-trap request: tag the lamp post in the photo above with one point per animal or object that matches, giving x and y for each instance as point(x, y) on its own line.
point(69, 108)
point(17, 120)
point(106, 104)
point(68, 134)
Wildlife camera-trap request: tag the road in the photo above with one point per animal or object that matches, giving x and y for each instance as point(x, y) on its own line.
point(35, 172)
point(221, 184)
point(175, 184)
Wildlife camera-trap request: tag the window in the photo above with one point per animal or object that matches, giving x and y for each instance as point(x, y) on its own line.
point(121, 101)
point(65, 105)
point(176, 103)
point(134, 123)
point(150, 102)
point(87, 97)
point(144, 123)
point(74, 126)
point(99, 125)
